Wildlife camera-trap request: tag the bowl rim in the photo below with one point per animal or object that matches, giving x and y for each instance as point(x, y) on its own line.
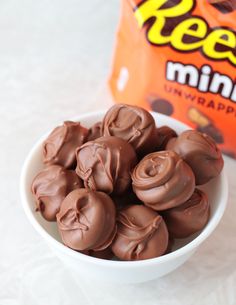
point(191, 246)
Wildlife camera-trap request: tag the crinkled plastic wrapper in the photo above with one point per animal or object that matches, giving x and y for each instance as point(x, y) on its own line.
point(178, 57)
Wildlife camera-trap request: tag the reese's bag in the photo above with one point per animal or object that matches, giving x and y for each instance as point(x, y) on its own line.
point(178, 57)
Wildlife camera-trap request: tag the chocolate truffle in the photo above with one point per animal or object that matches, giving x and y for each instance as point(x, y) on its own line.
point(200, 152)
point(133, 124)
point(105, 164)
point(190, 217)
point(51, 186)
point(59, 147)
point(141, 234)
point(87, 220)
point(95, 131)
point(163, 135)
point(162, 180)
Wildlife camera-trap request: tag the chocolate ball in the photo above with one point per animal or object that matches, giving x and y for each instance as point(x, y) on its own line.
point(95, 131)
point(163, 135)
point(141, 234)
point(59, 147)
point(190, 217)
point(105, 164)
point(87, 220)
point(162, 180)
point(200, 152)
point(133, 124)
point(51, 186)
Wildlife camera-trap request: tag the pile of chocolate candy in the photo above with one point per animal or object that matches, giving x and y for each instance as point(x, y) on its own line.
point(125, 188)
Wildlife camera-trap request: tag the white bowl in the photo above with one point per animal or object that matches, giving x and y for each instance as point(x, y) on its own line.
point(119, 271)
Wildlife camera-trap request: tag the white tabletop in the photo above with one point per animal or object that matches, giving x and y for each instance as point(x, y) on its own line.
point(54, 61)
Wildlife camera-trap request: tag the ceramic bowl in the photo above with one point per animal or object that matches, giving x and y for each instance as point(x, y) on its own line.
point(119, 271)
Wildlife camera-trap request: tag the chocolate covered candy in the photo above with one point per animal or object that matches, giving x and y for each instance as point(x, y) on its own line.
point(141, 234)
point(105, 158)
point(200, 152)
point(162, 180)
point(59, 147)
point(87, 220)
point(95, 131)
point(131, 123)
point(51, 186)
point(163, 135)
point(190, 217)
point(105, 164)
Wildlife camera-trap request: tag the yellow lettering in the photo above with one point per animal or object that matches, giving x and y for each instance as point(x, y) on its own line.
point(152, 8)
point(154, 34)
point(147, 10)
point(186, 28)
point(217, 37)
point(193, 27)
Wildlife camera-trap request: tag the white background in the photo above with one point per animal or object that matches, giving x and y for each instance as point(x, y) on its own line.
point(54, 62)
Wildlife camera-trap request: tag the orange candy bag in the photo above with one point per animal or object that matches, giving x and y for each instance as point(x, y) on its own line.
point(178, 57)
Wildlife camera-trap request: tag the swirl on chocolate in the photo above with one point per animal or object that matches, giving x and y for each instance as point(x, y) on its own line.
point(163, 135)
point(105, 164)
point(141, 234)
point(59, 147)
point(190, 217)
point(95, 131)
point(162, 180)
point(51, 186)
point(133, 124)
point(87, 220)
point(200, 152)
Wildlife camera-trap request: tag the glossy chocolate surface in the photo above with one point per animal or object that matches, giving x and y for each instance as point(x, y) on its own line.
point(163, 135)
point(50, 187)
point(200, 152)
point(95, 131)
point(190, 217)
point(105, 164)
point(141, 234)
point(87, 220)
point(59, 147)
point(162, 180)
point(131, 123)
